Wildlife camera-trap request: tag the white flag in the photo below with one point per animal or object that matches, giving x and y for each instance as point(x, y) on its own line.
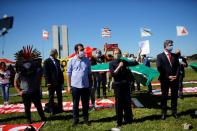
point(181, 31)
point(45, 35)
point(106, 33)
point(145, 32)
point(145, 48)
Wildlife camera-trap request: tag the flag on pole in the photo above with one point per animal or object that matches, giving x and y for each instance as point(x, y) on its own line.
point(145, 32)
point(145, 48)
point(45, 35)
point(181, 31)
point(105, 32)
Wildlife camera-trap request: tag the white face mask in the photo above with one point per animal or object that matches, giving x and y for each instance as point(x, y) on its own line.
point(81, 54)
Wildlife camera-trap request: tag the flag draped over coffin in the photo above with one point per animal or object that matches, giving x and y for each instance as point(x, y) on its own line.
point(141, 73)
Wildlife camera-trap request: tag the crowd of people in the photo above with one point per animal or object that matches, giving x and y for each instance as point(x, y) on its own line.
point(84, 84)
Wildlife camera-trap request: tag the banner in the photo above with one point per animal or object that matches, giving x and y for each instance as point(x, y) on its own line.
point(145, 47)
point(20, 127)
point(106, 32)
point(110, 47)
point(181, 31)
point(142, 73)
point(67, 106)
point(45, 35)
point(145, 32)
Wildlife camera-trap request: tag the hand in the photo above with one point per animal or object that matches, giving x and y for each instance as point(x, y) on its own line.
point(49, 86)
point(68, 89)
point(20, 93)
point(172, 78)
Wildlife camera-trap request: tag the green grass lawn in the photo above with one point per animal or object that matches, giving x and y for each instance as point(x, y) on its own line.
point(145, 119)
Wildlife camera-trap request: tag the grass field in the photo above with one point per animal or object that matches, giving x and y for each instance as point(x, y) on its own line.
point(145, 119)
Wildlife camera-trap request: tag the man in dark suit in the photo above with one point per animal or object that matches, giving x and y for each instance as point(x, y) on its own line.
point(182, 65)
point(167, 65)
point(54, 79)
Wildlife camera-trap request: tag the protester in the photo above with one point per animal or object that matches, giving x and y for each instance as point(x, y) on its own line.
point(94, 84)
point(167, 65)
point(28, 80)
point(125, 54)
point(79, 81)
point(182, 65)
point(4, 82)
point(100, 76)
point(122, 78)
point(12, 74)
point(54, 79)
point(146, 62)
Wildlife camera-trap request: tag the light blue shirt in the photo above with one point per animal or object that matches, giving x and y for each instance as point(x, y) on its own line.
point(79, 70)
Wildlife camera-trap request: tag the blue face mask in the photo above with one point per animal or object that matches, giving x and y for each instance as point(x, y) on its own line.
point(170, 48)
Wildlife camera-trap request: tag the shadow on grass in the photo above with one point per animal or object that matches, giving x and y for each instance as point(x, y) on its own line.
point(189, 95)
point(60, 117)
point(106, 119)
point(151, 117)
point(6, 120)
point(148, 100)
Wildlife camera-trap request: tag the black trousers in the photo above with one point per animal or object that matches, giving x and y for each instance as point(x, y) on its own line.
point(84, 93)
point(58, 91)
point(165, 85)
point(123, 102)
point(101, 79)
point(28, 98)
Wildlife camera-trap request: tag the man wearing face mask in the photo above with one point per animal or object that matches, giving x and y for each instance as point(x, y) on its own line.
point(168, 66)
point(79, 81)
point(182, 65)
point(122, 77)
point(54, 79)
point(100, 76)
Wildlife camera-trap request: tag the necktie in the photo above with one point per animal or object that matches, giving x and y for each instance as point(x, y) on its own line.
point(170, 58)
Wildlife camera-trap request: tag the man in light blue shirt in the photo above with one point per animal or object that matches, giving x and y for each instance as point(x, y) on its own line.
point(79, 82)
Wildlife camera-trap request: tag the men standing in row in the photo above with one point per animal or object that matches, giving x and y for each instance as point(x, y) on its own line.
point(54, 80)
point(79, 82)
point(167, 65)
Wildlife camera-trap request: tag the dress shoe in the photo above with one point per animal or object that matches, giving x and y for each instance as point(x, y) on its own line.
point(163, 116)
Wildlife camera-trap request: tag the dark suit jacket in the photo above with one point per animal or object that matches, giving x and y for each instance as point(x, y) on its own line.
point(52, 75)
point(164, 67)
point(181, 67)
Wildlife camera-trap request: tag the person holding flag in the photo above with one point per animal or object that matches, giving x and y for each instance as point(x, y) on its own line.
point(122, 78)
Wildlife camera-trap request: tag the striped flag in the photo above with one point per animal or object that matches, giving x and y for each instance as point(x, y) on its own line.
point(181, 31)
point(45, 35)
point(106, 33)
point(145, 32)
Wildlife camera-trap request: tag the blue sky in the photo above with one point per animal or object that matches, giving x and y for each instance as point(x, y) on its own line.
point(86, 18)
